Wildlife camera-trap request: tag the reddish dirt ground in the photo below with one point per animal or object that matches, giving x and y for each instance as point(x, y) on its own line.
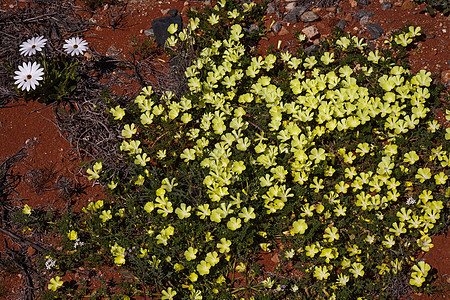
point(34, 123)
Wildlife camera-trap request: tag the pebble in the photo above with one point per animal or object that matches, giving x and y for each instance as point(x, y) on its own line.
point(294, 14)
point(341, 24)
point(408, 4)
point(149, 32)
point(252, 28)
point(311, 32)
point(309, 16)
point(290, 6)
point(283, 31)
point(363, 2)
point(311, 49)
point(386, 5)
point(353, 3)
point(430, 36)
point(271, 8)
point(364, 20)
point(276, 27)
point(362, 12)
point(375, 30)
point(445, 76)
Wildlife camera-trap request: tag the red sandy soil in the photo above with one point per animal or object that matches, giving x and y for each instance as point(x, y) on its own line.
point(25, 123)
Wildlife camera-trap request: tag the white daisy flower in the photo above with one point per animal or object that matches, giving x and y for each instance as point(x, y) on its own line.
point(32, 45)
point(75, 46)
point(28, 76)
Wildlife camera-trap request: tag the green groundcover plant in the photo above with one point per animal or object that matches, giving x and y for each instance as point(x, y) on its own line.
point(334, 162)
point(48, 77)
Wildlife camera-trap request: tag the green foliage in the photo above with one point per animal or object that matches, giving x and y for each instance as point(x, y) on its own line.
point(442, 6)
point(60, 79)
point(144, 48)
point(332, 162)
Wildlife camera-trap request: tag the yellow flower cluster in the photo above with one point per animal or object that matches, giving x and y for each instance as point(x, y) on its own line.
point(219, 119)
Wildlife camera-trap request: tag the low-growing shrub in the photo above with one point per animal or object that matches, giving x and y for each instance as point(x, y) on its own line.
point(335, 165)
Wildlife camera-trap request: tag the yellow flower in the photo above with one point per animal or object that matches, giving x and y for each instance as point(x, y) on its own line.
point(224, 245)
point(327, 58)
point(299, 226)
point(212, 258)
point(26, 210)
point(190, 254)
point(331, 234)
point(422, 268)
point(55, 283)
point(425, 243)
point(423, 174)
point(321, 272)
point(183, 211)
point(213, 19)
point(168, 295)
point(416, 279)
point(234, 223)
point(440, 178)
point(203, 268)
point(72, 235)
point(129, 130)
point(117, 112)
point(357, 270)
point(247, 213)
point(411, 157)
point(172, 28)
point(106, 215)
point(188, 154)
point(193, 277)
point(112, 185)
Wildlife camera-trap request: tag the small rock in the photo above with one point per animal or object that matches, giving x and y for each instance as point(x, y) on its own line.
point(160, 26)
point(353, 3)
point(348, 17)
point(386, 5)
point(271, 8)
point(165, 11)
point(31, 251)
point(252, 28)
point(341, 24)
point(309, 16)
point(173, 12)
point(362, 13)
point(275, 258)
point(364, 20)
point(398, 3)
point(430, 36)
point(312, 49)
point(408, 5)
point(112, 51)
point(311, 32)
point(294, 14)
point(283, 31)
point(276, 27)
point(363, 2)
point(445, 76)
point(375, 30)
point(149, 32)
point(331, 9)
point(290, 6)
